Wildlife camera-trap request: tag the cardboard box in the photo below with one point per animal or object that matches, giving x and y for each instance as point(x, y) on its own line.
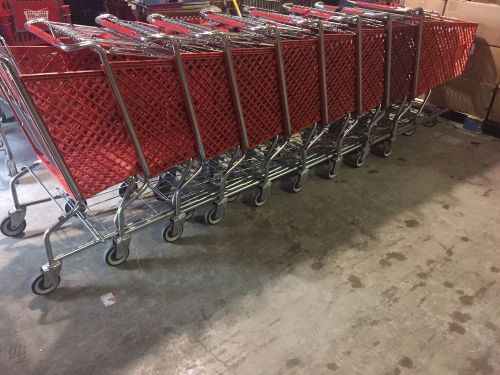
point(465, 96)
point(433, 5)
point(494, 114)
point(486, 15)
point(484, 65)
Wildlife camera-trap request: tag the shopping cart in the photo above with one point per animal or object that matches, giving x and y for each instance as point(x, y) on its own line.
point(146, 122)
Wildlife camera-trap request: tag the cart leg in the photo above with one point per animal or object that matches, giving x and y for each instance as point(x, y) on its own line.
point(215, 212)
point(175, 227)
point(119, 249)
point(261, 194)
point(357, 158)
point(331, 168)
point(49, 279)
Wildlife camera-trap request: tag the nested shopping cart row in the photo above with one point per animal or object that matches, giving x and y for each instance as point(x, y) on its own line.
point(213, 108)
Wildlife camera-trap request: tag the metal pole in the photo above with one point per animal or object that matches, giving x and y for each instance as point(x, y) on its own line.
point(359, 71)
point(418, 52)
point(282, 81)
point(323, 78)
point(123, 109)
point(189, 100)
point(233, 84)
point(388, 64)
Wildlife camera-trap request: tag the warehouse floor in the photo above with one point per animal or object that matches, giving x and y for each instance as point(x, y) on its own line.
point(390, 269)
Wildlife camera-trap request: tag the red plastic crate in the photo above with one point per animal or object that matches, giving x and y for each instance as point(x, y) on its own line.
point(257, 77)
point(340, 55)
point(373, 67)
point(15, 13)
point(403, 55)
point(302, 77)
point(446, 46)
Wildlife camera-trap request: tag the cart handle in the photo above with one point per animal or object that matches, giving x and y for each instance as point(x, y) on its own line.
point(32, 27)
point(327, 15)
point(155, 19)
point(386, 8)
point(107, 21)
point(214, 16)
point(267, 15)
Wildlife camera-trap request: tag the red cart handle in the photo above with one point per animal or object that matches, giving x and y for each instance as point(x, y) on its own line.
point(375, 6)
point(32, 27)
point(270, 16)
point(114, 26)
point(224, 20)
point(170, 26)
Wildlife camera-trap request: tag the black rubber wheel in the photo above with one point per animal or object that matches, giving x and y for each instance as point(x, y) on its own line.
point(8, 231)
point(212, 217)
point(38, 287)
point(382, 149)
point(430, 123)
point(168, 234)
point(256, 198)
point(123, 188)
point(326, 171)
point(412, 131)
point(292, 184)
point(111, 256)
point(354, 159)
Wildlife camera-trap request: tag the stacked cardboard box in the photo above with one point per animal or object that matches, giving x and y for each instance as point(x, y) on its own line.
point(472, 93)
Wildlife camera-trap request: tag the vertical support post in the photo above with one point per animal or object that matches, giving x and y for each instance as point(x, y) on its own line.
point(418, 53)
point(282, 81)
point(359, 67)
point(388, 62)
point(323, 78)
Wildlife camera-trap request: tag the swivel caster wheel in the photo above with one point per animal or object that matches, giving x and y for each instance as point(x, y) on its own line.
point(38, 286)
point(430, 123)
point(112, 258)
point(382, 149)
point(123, 188)
point(213, 215)
point(326, 171)
point(411, 131)
point(8, 230)
point(171, 235)
point(257, 198)
point(293, 184)
point(355, 159)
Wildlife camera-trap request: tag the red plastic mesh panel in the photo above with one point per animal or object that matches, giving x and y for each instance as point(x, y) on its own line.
point(214, 107)
point(302, 82)
point(257, 78)
point(46, 59)
point(340, 55)
point(83, 121)
point(156, 106)
point(373, 67)
point(13, 16)
point(403, 55)
point(445, 50)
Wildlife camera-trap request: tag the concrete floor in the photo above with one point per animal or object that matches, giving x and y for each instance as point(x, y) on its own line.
point(390, 269)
